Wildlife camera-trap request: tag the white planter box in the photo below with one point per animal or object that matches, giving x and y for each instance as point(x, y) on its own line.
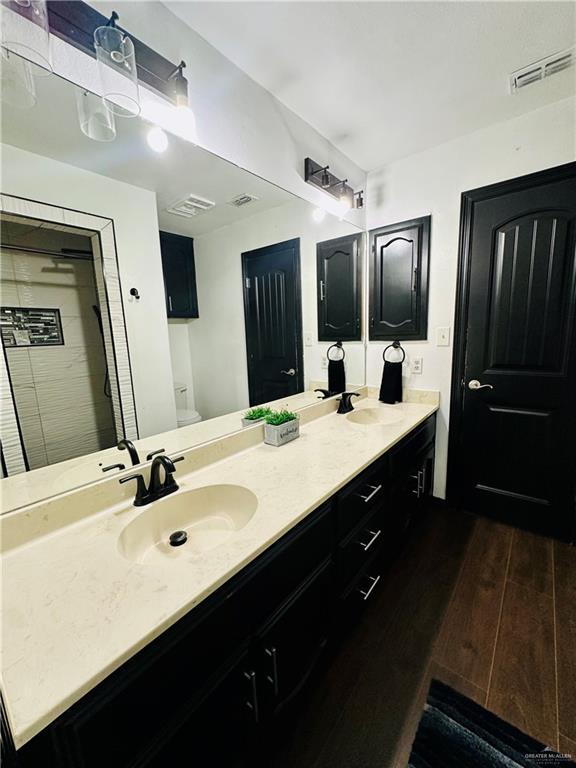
point(251, 422)
point(282, 433)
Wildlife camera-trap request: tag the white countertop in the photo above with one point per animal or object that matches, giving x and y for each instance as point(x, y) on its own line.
point(75, 609)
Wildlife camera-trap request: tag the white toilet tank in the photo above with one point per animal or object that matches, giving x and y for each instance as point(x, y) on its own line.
point(184, 415)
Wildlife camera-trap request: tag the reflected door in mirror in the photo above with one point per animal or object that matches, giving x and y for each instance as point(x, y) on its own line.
point(272, 308)
point(338, 288)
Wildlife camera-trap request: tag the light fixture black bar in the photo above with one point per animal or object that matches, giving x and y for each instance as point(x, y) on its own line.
point(337, 188)
point(74, 22)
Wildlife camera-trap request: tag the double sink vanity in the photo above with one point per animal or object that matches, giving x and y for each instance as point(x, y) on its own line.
point(124, 649)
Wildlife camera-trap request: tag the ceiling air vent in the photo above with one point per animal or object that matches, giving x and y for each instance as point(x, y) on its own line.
point(191, 206)
point(541, 69)
point(241, 200)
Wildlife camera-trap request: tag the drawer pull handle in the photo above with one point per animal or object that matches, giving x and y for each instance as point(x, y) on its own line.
point(366, 593)
point(253, 704)
point(373, 492)
point(374, 535)
point(273, 678)
point(420, 483)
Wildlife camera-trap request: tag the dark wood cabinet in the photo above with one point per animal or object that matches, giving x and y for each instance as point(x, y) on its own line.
point(339, 283)
point(179, 275)
point(399, 280)
point(215, 682)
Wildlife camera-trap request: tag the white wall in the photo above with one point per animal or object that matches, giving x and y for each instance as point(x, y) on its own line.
point(218, 343)
point(431, 183)
point(136, 228)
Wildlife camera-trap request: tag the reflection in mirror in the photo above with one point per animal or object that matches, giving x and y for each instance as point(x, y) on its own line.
point(153, 292)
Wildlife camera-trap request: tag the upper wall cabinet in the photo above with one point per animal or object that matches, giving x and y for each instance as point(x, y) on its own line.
point(339, 289)
point(399, 280)
point(179, 275)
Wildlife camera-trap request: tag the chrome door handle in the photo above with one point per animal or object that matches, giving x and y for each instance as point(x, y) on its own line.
point(475, 384)
point(367, 592)
point(273, 678)
point(289, 372)
point(375, 490)
point(374, 535)
point(253, 703)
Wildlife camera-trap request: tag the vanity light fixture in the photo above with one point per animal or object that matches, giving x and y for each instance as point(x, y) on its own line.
point(180, 85)
point(16, 81)
point(320, 177)
point(157, 139)
point(117, 69)
point(31, 41)
point(359, 199)
point(96, 120)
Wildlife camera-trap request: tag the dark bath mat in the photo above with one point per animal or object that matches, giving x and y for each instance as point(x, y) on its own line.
point(455, 732)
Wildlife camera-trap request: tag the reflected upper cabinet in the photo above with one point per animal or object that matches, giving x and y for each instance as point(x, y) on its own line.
point(399, 280)
point(339, 289)
point(179, 275)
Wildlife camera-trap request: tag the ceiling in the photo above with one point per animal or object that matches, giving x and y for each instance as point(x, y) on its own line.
point(51, 129)
point(382, 80)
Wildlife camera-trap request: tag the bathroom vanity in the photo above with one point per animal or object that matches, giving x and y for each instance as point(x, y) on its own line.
point(216, 678)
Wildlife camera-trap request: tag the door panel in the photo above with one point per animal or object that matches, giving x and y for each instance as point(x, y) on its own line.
point(272, 309)
point(514, 457)
point(338, 269)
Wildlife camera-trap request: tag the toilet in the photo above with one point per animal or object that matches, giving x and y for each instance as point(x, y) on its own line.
point(184, 415)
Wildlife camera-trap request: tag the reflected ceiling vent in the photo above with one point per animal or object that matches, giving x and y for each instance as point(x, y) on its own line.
point(541, 69)
point(241, 200)
point(191, 206)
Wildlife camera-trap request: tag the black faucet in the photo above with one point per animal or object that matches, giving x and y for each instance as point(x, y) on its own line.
point(128, 445)
point(324, 392)
point(158, 488)
point(346, 402)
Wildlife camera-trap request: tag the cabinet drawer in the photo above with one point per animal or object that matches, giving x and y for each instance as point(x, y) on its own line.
point(363, 590)
point(359, 548)
point(402, 456)
point(360, 497)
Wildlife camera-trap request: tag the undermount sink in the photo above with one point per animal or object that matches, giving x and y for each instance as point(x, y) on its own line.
point(375, 416)
point(196, 521)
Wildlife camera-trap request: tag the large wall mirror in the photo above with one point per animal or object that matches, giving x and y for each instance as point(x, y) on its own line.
point(152, 296)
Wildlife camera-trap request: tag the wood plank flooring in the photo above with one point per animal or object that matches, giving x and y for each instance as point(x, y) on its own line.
point(488, 609)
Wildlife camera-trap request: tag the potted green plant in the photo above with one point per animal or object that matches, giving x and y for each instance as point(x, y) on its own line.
point(254, 415)
point(281, 427)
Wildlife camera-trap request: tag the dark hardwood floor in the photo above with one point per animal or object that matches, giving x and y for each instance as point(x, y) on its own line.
point(488, 609)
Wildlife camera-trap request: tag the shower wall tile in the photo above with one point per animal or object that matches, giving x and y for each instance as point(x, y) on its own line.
point(19, 366)
point(76, 445)
point(66, 362)
point(46, 270)
point(9, 294)
point(70, 300)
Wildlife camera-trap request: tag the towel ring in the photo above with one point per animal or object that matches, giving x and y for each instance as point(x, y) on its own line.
point(394, 345)
point(339, 346)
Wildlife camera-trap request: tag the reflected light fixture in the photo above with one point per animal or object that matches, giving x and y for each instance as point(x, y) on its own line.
point(157, 139)
point(180, 85)
point(96, 120)
point(318, 214)
point(117, 69)
point(26, 32)
point(16, 81)
point(359, 199)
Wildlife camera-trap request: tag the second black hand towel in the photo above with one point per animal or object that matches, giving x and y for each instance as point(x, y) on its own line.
point(391, 387)
point(336, 376)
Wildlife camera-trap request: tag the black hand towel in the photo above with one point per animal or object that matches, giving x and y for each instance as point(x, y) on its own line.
point(391, 387)
point(336, 376)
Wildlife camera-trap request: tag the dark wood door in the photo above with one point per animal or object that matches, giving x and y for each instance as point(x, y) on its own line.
point(513, 454)
point(338, 289)
point(179, 275)
point(273, 315)
point(399, 280)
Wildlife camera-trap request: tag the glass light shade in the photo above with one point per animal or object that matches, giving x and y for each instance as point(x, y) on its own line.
point(26, 32)
point(117, 69)
point(16, 81)
point(96, 120)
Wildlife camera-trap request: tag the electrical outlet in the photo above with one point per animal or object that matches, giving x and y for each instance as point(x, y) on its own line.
point(323, 362)
point(443, 337)
point(416, 365)
point(308, 339)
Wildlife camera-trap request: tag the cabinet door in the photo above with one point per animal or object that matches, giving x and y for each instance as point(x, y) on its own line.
point(399, 280)
point(339, 284)
point(179, 275)
point(221, 731)
point(290, 645)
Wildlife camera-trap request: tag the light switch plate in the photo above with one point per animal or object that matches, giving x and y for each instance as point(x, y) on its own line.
point(443, 337)
point(323, 362)
point(416, 365)
point(308, 339)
